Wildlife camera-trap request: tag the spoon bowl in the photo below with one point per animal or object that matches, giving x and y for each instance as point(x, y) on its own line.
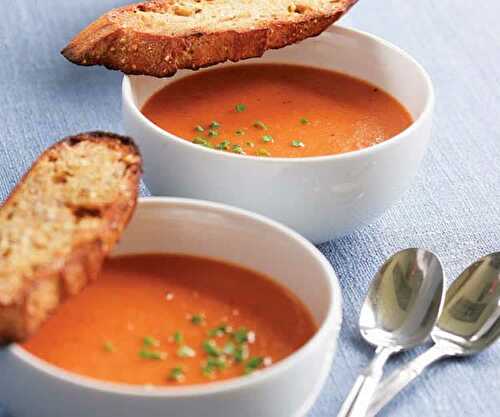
point(404, 300)
point(471, 317)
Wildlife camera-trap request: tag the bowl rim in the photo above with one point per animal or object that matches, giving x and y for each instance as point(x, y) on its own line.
point(328, 329)
point(415, 125)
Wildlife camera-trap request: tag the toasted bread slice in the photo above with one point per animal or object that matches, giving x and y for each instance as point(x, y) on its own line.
point(161, 36)
point(60, 222)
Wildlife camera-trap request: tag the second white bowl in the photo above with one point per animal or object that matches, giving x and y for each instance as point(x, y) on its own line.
point(30, 386)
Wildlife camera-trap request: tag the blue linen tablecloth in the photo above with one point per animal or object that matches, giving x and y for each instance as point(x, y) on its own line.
point(452, 208)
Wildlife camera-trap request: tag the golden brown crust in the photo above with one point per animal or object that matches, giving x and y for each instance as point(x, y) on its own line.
point(109, 42)
point(53, 280)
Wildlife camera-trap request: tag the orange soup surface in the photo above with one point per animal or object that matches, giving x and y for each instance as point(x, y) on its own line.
point(173, 320)
point(277, 110)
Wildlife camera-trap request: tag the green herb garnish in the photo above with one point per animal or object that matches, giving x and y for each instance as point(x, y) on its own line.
point(186, 352)
point(224, 145)
point(267, 139)
point(197, 319)
point(263, 152)
point(213, 133)
point(259, 125)
point(253, 364)
point(108, 346)
point(152, 355)
point(211, 348)
point(238, 149)
point(199, 128)
point(240, 108)
point(150, 341)
point(178, 337)
point(202, 142)
point(218, 331)
point(176, 374)
point(304, 121)
point(229, 349)
point(212, 365)
point(241, 335)
point(241, 353)
point(297, 144)
point(214, 125)
point(218, 363)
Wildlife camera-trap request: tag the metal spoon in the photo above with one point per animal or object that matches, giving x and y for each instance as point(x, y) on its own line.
point(470, 323)
point(399, 312)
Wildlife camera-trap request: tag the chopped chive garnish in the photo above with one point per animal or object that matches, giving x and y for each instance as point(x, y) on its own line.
point(241, 353)
point(178, 337)
point(237, 149)
point(152, 355)
point(213, 133)
point(207, 370)
point(199, 128)
point(210, 347)
point(304, 121)
point(240, 132)
point(108, 346)
point(297, 144)
point(218, 331)
point(263, 152)
point(176, 374)
point(150, 341)
point(197, 319)
point(202, 142)
point(212, 365)
point(240, 108)
point(253, 364)
point(186, 352)
point(241, 335)
point(224, 145)
point(229, 349)
point(218, 363)
point(214, 125)
point(267, 139)
point(259, 125)
point(250, 144)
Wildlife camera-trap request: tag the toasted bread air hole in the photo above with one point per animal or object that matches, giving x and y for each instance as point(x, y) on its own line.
point(82, 212)
point(298, 8)
point(61, 177)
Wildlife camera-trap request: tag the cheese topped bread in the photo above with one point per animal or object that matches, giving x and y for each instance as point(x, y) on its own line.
point(60, 222)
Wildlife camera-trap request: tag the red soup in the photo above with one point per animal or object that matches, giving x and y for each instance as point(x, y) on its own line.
point(170, 320)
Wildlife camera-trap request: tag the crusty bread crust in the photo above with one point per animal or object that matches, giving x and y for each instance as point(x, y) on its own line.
point(110, 42)
point(24, 307)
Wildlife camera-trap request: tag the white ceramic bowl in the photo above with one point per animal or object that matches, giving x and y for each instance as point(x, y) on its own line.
point(29, 386)
point(320, 197)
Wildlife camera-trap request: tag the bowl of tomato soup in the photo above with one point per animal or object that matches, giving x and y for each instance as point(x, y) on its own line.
point(202, 309)
point(322, 136)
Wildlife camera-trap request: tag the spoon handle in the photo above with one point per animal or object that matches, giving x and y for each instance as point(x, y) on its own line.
point(401, 377)
point(357, 402)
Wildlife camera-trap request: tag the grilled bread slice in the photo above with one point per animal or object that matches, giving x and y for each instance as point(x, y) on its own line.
point(161, 36)
point(60, 222)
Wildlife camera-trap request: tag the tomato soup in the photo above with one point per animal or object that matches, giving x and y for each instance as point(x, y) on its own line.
point(277, 110)
point(173, 320)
